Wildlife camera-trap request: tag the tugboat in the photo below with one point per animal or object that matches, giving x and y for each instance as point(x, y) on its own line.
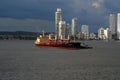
point(47, 42)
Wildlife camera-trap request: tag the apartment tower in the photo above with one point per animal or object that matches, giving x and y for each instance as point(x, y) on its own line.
point(85, 31)
point(112, 23)
point(118, 26)
point(74, 27)
point(58, 18)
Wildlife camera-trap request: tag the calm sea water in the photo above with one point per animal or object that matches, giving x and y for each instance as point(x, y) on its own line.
point(22, 60)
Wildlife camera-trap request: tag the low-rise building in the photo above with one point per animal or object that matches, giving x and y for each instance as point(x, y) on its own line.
point(104, 34)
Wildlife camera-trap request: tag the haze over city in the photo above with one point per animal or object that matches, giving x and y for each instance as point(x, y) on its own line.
point(38, 15)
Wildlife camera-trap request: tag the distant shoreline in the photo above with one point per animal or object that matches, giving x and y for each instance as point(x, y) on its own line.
point(19, 35)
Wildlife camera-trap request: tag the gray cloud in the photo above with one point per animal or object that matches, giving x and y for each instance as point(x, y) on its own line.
point(112, 6)
point(97, 3)
point(43, 9)
point(26, 25)
point(92, 12)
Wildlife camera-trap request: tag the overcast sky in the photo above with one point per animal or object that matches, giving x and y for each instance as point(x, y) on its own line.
point(38, 15)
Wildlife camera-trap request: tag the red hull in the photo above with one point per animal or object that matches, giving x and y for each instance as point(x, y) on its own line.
point(58, 47)
point(62, 45)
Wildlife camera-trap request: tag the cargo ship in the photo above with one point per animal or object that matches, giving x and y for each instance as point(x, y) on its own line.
point(47, 42)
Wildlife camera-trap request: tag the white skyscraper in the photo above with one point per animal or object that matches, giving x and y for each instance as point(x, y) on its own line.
point(85, 31)
point(112, 23)
point(74, 27)
point(101, 33)
point(68, 30)
point(118, 25)
point(58, 18)
point(62, 29)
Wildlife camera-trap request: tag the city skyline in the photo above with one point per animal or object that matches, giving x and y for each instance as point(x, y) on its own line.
point(38, 15)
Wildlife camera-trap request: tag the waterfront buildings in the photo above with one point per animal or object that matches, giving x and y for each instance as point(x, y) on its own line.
point(107, 34)
point(58, 18)
point(92, 36)
point(80, 36)
point(104, 34)
point(118, 26)
point(62, 29)
point(68, 30)
point(74, 27)
point(112, 23)
point(101, 33)
point(85, 31)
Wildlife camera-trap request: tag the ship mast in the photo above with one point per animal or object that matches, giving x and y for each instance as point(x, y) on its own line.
point(43, 33)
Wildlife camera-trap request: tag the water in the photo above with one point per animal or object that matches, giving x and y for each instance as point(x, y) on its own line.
point(22, 60)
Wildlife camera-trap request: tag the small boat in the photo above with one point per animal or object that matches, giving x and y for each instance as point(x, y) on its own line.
point(47, 42)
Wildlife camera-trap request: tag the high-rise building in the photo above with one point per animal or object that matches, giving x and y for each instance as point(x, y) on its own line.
point(58, 18)
point(62, 29)
point(101, 33)
point(112, 23)
point(85, 31)
point(118, 26)
point(74, 27)
point(68, 30)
